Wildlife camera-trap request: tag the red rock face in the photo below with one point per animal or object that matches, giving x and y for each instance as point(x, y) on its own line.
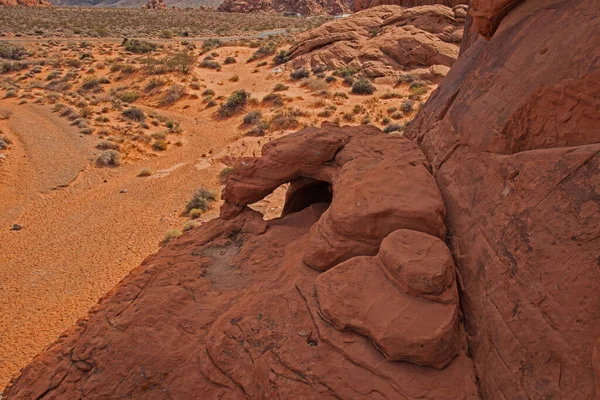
point(385, 41)
point(26, 3)
point(513, 135)
point(230, 310)
point(305, 7)
point(155, 5)
point(364, 4)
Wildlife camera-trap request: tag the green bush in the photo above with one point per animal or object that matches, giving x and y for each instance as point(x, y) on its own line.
point(234, 103)
point(210, 64)
point(134, 114)
point(201, 199)
point(282, 57)
point(12, 52)
point(363, 86)
point(139, 46)
point(299, 73)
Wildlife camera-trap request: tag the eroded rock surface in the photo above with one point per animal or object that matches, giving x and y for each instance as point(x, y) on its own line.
point(364, 4)
point(230, 310)
point(305, 7)
point(513, 135)
point(385, 41)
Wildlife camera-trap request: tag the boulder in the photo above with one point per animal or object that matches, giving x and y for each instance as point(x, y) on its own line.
point(384, 41)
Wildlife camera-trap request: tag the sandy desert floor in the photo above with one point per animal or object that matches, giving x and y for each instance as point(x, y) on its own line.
point(85, 227)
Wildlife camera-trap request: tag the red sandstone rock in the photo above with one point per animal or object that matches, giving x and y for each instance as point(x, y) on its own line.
point(364, 4)
point(155, 5)
point(513, 135)
point(383, 41)
point(305, 7)
point(229, 309)
point(26, 3)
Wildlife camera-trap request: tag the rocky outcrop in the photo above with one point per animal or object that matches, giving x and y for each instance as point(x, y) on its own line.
point(360, 5)
point(155, 5)
point(230, 310)
point(304, 7)
point(385, 41)
point(26, 3)
point(513, 136)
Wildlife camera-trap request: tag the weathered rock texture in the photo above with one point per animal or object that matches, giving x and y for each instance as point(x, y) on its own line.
point(230, 310)
point(385, 41)
point(155, 5)
point(304, 7)
point(364, 4)
point(513, 135)
point(26, 3)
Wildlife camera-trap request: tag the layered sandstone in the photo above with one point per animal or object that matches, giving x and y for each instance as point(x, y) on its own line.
point(513, 135)
point(385, 41)
point(305, 7)
point(364, 4)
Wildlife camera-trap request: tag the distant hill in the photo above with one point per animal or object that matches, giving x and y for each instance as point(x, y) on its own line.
point(134, 3)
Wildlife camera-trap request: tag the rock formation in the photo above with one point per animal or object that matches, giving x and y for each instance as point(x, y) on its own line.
point(354, 291)
point(304, 7)
point(155, 5)
point(230, 310)
point(513, 135)
point(364, 4)
point(385, 41)
point(26, 3)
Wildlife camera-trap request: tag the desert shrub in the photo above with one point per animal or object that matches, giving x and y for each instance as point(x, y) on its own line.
point(154, 83)
point(210, 44)
point(407, 106)
point(159, 145)
point(201, 199)
point(230, 60)
point(252, 118)
point(282, 57)
point(280, 87)
point(210, 64)
point(397, 115)
point(166, 34)
point(259, 129)
point(366, 120)
point(128, 97)
point(325, 114)
point(106, 145)
point(363, 86)
point(262, 64)
point(189, 225)
point(236, 101)
point(3, 144)
point(418, 88)
point(345, 71)
point(285, 120)
point(330, 79)
point(11, 94)
point(222, 176)
point(393, 128)
point(139, 46)
point(234, 78)
point(264, 51)
point(170, 235)
point(134, 114)
point(108, 158)
point(299, 73)
point(348, 80)
point(172, 95)
point(91, 84)
point(182, 62)
point(159, 135)
point(391, 95)
point(208, 92)
point(12, 52)
point(195, 213)
point(406, 78)
point(358, 109)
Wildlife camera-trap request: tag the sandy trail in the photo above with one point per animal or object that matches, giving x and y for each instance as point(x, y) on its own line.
point(81, 234)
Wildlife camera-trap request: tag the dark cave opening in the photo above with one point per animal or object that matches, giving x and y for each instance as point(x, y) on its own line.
point(304, 192)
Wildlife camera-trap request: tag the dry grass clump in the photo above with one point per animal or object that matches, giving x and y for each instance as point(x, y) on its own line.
point(172, 95)
point(201, 200)
point(236, 102)
point(109, 158)
point(134, 114)
point(170, 235)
